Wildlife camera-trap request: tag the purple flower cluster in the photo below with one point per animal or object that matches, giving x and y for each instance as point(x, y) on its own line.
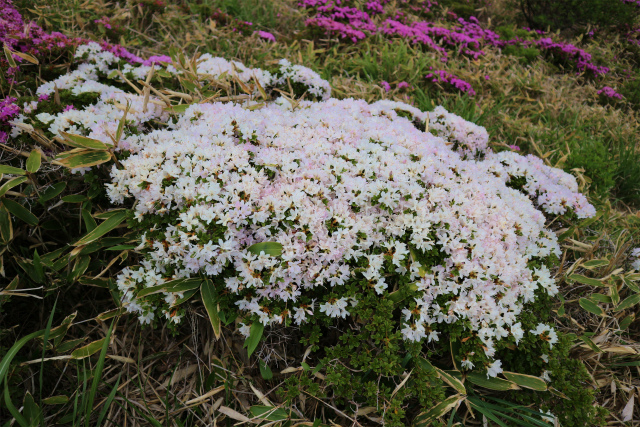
point(105, 21)
point(466, 37)
point(266, 35)
point(442, 76)
point(609, 92)
point(571, 53)
point(8, 109)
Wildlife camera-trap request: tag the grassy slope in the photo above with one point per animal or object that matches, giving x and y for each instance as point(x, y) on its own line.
point(548, 113)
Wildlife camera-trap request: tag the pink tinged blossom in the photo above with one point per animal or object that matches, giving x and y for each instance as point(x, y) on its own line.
point(609, 92)
point(266, 36)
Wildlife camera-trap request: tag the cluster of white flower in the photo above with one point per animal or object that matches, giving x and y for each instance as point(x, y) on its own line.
point(208, 66)
point(317, 86)
point(383, 183)
point(635, 253)
point(462, 136)
point(335, 183)
point(553, 189)
point(96, 62)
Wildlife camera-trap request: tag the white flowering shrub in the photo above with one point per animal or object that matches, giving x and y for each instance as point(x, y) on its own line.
point(303, 80)
point(306, 214)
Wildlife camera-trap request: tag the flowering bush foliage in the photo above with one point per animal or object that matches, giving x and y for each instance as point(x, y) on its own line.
point(295, 210)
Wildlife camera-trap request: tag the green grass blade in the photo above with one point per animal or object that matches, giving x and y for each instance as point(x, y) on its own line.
point(45, 339)
point(12, 409)
point(98, 375)
point(108, 402)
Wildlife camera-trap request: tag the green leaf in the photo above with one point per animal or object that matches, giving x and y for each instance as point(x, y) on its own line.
point(69, 345)
point(12, 409)
point(107, 403)
point(122, 122)
point(491, 383)
point(591, 344)
point(58, 333)
point(268, 413)
point(615, 296)
point(79, 141)
point(567, 233)
point(628, 302)
point(596, 263)
point(85, 159)
point(97, 378)
point(631, 285)
point(425, 364)
point(265, 371)
point(108, 214)
point(9, 55)
point(34, 161)
point(180, 108)
point(12, 183)
point(37, 267)
point(255, 334)
point(424, 419)
point(624, 323)
point(6, 229)
point(178, 285)
point(88, 350)
point(591, 306)
point(269, 248)
point(587, 222)
point(20, 211)
point(79, 267)
point(11, 170)
point(31, 410)
point(605, 299)
point(5, 362)
point(75, 198)
point(526, 381)
point(56, 400)
point(210, 300)
point(52, 191)
point(585, 280)
point(89, 222)
point(422, 272)
point(102, 229)
point(452, 381)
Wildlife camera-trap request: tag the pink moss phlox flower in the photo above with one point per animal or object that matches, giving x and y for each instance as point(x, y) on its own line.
point(161, 59)
point(442, 76)
point(266, 35)
point(609, 92)
point(385, 85)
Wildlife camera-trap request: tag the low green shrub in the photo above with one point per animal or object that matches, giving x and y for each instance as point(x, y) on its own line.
point(573, 14)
